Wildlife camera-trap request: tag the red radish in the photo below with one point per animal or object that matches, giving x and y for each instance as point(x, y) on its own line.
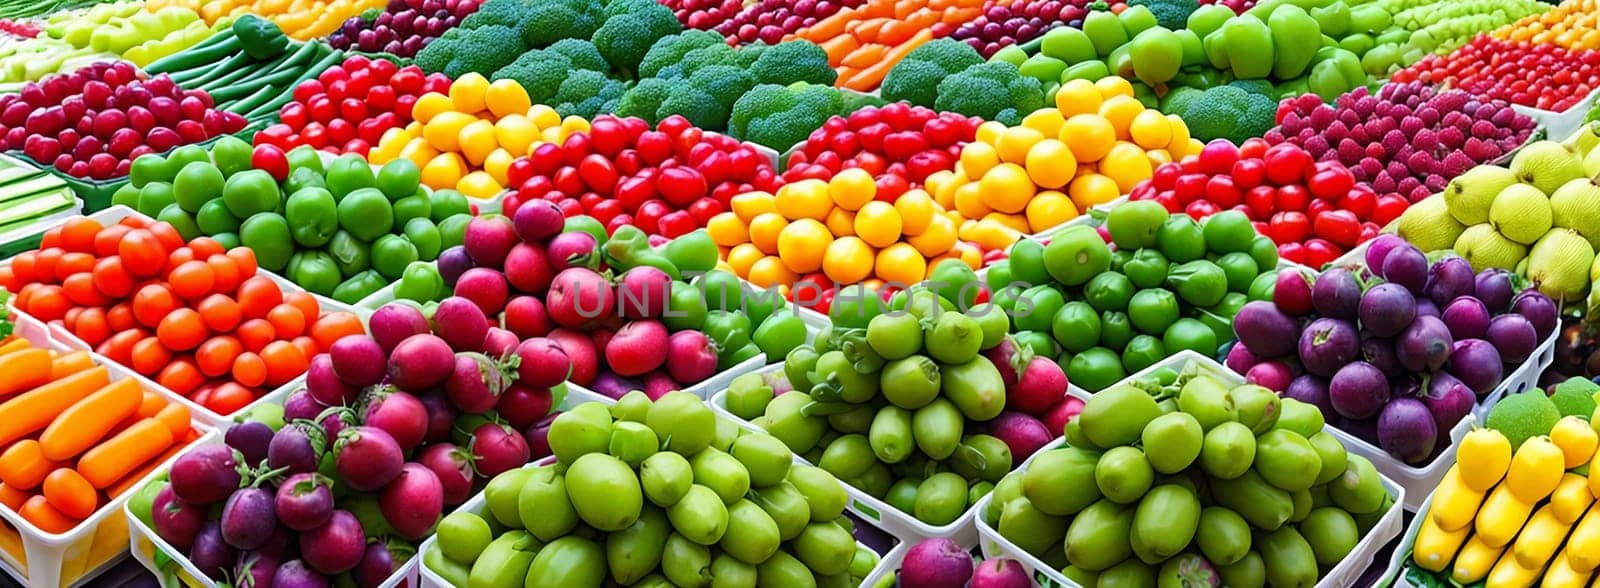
point(488, 239)
point(582, 352)
point(542, 363)
point(498, 448)
point(537, 220)
point(206, 474)
point(601, 336)
point(573, 249)
point(392, 323)
point(248, 518)
point(256, 568)
point(637, 348)
point(1001, 573)
point(528, 268)
point(1240, 359)
point(335, 547)
point(304, 501)
point(300, 405)
point(335, 421)
point(1041, 386)
point(412, 502)
point(1292, 292)
point(420, 362)
point(537, 436)
point(658, 384)
point(614, 386)
point(399, 414)
point(1021, 432)
point(297, 574)
point(642, 293)
point(176, 522)
point(453, 466)
point(377, 564)
point(324, 385)
point(359, 360)
point(499, 342)
point(526, 316)
point(522, 405)
point(936, 562)
point(461, 323)
point(294, 448)
point(210, 553)
point(692, 357)
point(1005, 357)
point(441, 416)
point(250, 439)
point(367, 458)
point(475, 383)
point(1064, 412)
point(1273, 375)
point(484, 287)
point(579, 297)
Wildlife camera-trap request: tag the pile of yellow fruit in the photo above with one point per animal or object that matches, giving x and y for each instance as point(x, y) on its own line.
point(1573, 24)
point(467, 140)
point(303, 20)
point(1503, 518)
point(1093, 147)
point(839, 228)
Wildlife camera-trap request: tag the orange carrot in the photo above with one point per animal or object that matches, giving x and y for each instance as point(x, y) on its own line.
point(864, 57)
point(12, 498)
point(176, 417)
point(114, 458)
point(86, 422)
point(70, 493)
point(838, 47)
point(34, 410)
point(868, 30)
point(151, 404)
point(38, 511)
point(71, 363)
point(17, 344)
point(830, 27)
point(23, 465)
point(131, 480)
point(24, 370)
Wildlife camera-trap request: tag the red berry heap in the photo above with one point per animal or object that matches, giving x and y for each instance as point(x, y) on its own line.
point(668, 181)
point(1005, 24)
point(403, 28)
point(19, 28)
point(769, 20)
point(1314, 210)
point(1407, 140)
point(704, 14)
point(348, 107)
point(899, 145)
point(92, 123)
point(1543, 76)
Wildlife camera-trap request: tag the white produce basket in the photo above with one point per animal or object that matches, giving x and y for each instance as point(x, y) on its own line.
point(1349, 570)
point(1399, 560)
point(76, 557)
point(1564, 123)
point(897, 522)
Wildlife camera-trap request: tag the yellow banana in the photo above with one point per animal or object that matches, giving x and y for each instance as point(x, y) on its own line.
point(1501, 516)
point(1571, 498)
point(1540, 538)
point(1454, 503)
point(1583, 547)
point(1474, 560)
point(1435, 547)
point(1560, 574)
point(1507, 573)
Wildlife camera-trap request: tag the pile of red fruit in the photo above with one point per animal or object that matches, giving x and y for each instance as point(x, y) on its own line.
point(1314, 210)
point(1008, 23)
point(1407, 140)
point(703, 14)
point(769, 21)
point(20, 28)
point(403, 28)
point(668, 181)
point(92, 123)
point(349, 107)
point(899, 145)
point(1238, 6)
point(1543, 76)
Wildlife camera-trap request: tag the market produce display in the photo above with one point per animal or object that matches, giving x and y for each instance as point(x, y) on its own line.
point(1543, 76)
point(343, 111)
point(248, 68)
point(1116, 496)
point(127, 30)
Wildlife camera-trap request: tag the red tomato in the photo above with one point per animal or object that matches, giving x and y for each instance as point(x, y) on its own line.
point(1340, 227)
point(1289, 226)
point(272, 160)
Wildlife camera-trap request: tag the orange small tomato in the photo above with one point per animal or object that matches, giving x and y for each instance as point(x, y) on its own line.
point(181, 376)
point(120, 317)
point(215, 357)
point(92, 326)
point(73, 262)
point(228, 398)
point(182, 330)
point(249, 369)
point(205, 247)
point(134, 222)
point(107, 240)
point(119, 348)
point(287, 321)
point(179, 256)
point(44, 265)
point(168, 235)
point(22, 267)
point(48, 303)
point(307, 345)
point(305, 302)
point(142, 253)
point(255, 334)
point(284, 362)
point(77, 234)
point(149, 356)
point(220, 313)
point(79, 288)
point(110, 278)
point(50, 238)
point(333, 326)
point(152, 303)
point(192, 280)
point(246, 260)
point(257, 296)
point(224, 273)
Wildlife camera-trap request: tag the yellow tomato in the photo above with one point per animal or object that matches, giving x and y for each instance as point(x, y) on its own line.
point(937, 239)
point(1015, 222)
point(1045, 120)
point(430, 105)
point(802, 244)
point(1113, 86)
point(764, 230)
point(901, 263)
point(419, 152)
point(477, 141)
point(804, 199)
point(1089, 136)
point(1048, 209)
point(848, 260)
point(1151, 130)
point(769, 271)
point(727, 229)
point(1157, 157)
point(916, 210)
point(444, 131)
point(938, 180)
point(506, 97)
point(749, 205)
point(1005, 188)
point(993, 235)
point(969, 201)
point(1092, 190)
point(444, 171)
point(969, 254)
point(1127, 165)
point(878, 223)
point(516, 133)
point(573, 124)
point(544, 116)
point(497, 164)
point(1078, 96)
point(841, 222)
point(1178, 146)
point(945, 194)
point(478, 184)
point(989, 132)
point(742, 256)
point(852, 188)
point(977, 157)
point(1120, 111)
point(1015, 143)
point(467, 91)
point(1050, 164)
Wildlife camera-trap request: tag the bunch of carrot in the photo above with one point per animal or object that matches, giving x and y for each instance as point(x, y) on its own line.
point(72, 438)
point(195, 318)
point(863, 43)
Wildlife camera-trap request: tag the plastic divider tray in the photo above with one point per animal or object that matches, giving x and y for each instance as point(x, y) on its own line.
point(1346, 573)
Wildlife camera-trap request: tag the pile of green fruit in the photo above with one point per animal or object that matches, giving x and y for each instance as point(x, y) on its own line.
point(655, 494)
point(1418, 28)
point(1170, 284)
point(1191, 479)
point(340, 230)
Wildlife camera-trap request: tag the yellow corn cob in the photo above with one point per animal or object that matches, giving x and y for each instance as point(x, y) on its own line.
point(1535, 470)
point(1583, 547)
point(1576, 439)
point(1561, 574)
point(1507, 573)
point(1474, 560)
point(1571, 498)
point(1491, 455)
point(1540, 538)
point(1454, 503)
point(1501, 516)
point(1435, 547)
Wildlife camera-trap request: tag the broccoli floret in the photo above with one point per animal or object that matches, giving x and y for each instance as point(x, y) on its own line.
point(780, 116)
point(748, 55)
point(1179, 99)
point(913, 81)
point(999, 71)
point(1227, 112)
point(671, 72)
point(624, 39)
point(586, 108)
point(1172, 14)
point(582, 54)
point(645, 99)
point(671, 49)
point(986, 89)
point(548, 22)
point(1262, 87)
point(539, 72)
point(483, 50)
point(701, 108)
point(579, 85)
point(618, 7)
point(1027, 94)
point(725, 83)
point(794, 61)
point(507, 13)
point(719, 54)
point(948, 54)
point(1008, 117)
point(437, 54)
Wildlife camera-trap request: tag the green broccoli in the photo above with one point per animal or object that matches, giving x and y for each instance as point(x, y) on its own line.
point(548, 22)
point(913, 81)
point(1179, 99)
point(506, 13)
point(586, 108)
point(986, 89)
point(949, 54)
point(719, 54)
point(539, 72)
point(794, 61)
point(701, 108)
point(437, 54)
point(781, 116)
point(1227, 112)
point(579, 85)
point(671, 72)
point(483, 50)
point(671, 49)
point(619, 7)
point(1261, 87)
point(625, 38)
point(1172, 14)
point(749, 54)
point(1008, 117)
point(582, 54)
point(645, 99)
point(725, 83)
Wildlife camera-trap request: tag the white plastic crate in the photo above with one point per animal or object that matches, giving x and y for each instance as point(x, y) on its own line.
point(75, 558)
point(1561, 124)
point(1400, 559)
point(1345, 574)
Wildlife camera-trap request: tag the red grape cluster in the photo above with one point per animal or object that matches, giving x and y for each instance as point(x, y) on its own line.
point(1002, 25)
point(703, 14)
point(769, 20)
point(403, 28)
point(1543, 76)
point(348, 107)
point(899, 145)
point(20, 28)
point(1408, 140)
